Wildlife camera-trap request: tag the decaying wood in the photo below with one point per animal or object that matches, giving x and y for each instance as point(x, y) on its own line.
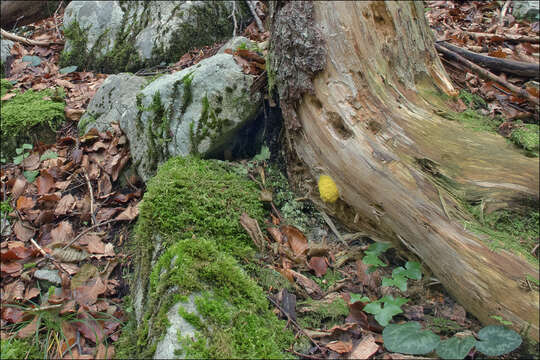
point(487, 74)
point(370, 120)
point(497, 64)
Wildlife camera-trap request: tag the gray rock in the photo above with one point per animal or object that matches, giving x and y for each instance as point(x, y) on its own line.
point(235, 43)
point(48, 275)
point(178, 327)
point(114, 100)
point(115, 36)
point(526, 9)
point(198, 110)
point(5, 48)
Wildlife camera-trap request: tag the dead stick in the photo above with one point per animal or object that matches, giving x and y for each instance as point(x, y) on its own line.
point(91, 197)
point(55, 20)
point(503, 12)
point(505, 37)
point(311, 357)
point(294, 322)
point(49, 257)
point(253, 7)
point(26, 41)
point(488, 74)
point(87, 230)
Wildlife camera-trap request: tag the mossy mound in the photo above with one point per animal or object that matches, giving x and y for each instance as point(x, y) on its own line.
point(189, 243)
point(19, 349)
point(28, 113)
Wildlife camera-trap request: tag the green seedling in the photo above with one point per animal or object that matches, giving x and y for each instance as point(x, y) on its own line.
point(22, 153)
point(400, 275)
point(383, 314)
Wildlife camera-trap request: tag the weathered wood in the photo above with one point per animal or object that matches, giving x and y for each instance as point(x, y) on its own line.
point(370, 121)
point(519, 68)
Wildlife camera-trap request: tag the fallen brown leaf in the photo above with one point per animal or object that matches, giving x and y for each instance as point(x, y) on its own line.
point(23, 230)
point(62, 233)
point(45, 183)
point(339, 346)
point(319, 265)
point(296, 239)
point(129, 214)
point(25, 202)
point(29, 329)
point(64, 205)
point(365, 349)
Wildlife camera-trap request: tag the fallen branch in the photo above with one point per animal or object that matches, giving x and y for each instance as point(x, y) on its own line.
point(508, 66)
point(10, 36)
point(485, 73)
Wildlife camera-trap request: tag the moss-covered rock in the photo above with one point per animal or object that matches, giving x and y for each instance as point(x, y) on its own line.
point(190, 247)
point(27, 114)
point(116, 36)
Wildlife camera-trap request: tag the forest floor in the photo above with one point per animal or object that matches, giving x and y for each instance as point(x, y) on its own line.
point(68, 208)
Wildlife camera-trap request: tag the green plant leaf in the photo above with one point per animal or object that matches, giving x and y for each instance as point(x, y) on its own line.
point(27, 146)
point(263, 155)
point(18, 159)
point(34, 60)
point(455, 348)
point(383, 315)
point(398, 301)
point(359, 297)
point(373, 260)
point(48, 155)
point(68, 69)
point(19, 151)
point(387, 313)
point(413, 270)
point(31, 175)
point(409, 338)
point(378, 247)
point(497, 340)
point(398, 281)
point(373, 308)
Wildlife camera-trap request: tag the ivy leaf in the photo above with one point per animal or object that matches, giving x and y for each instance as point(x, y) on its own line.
point(263, 155)
point(455, 348)
point(378, 247)
point(413, 270)
point(48, 155)
point(18, 159)
point(373, 308)
point(34, 60)
point(31, 175)
point(497, 340)
point(398, 281)
point(68, 69)
point(373, 260)
point(27, 146)
point(409, 338)
point(359, 298)
point(387, 313)
point(383, 315)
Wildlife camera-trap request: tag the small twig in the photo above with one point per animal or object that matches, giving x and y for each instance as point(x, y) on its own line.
point(332, 226)
point(26, 41)
point(294, 322)
point(55, 21)
point(503, 12)
point(44, 308)
point(91, 197)
point(49, 257)
point(234, 19)
point(252, 6)
point(87, 230)
point(534, 250)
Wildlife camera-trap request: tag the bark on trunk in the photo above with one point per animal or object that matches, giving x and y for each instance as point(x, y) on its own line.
point(371, 120)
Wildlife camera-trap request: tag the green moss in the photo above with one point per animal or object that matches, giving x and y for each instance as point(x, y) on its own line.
point(193, 205)
point(208, 126)
point(515, 231)
point(527, 137)
point(19, 349)
point(203, 27)
point(86, 120)
point(327, 280)
point(472, 100)
point(318, 314)
point(5, 87)
point(31, 112)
